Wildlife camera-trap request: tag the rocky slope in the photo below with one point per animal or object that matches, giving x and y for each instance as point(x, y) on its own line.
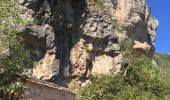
point(80, 37)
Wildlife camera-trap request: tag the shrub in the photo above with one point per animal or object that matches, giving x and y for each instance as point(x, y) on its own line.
point(142, 82)
point(19, 58)
point(125, 46)
point(118, 26)
point(97, 2)
point(163, 62)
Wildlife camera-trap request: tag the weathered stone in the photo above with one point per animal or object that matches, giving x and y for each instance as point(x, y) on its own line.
point(40, 90)
point(118, 61)
point(152, 26)
point(47, 67)
point(79, 37)
point(102, 65)
point(79, 59)
point(143, 46)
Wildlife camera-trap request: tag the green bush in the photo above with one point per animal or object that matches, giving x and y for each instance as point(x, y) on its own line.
point(17, 62)
point(118, 26)
point(97, 2)
point(18, 59)
point(142, 82)
point(163, 63)
point(125, 46)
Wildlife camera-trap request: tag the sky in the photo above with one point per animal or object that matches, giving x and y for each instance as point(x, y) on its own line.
point(161, 11)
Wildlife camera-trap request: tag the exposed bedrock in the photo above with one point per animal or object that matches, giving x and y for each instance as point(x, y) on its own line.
point(82, 37)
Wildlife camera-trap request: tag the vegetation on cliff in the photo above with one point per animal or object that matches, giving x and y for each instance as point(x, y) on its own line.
point(141, 82)
point(163, 63)
point(17, 59)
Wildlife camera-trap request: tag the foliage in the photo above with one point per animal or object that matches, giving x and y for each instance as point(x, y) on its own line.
point(118, 26)
point(19, 58)
point(87, 48)
point(10, 22)
point(163, 63)
point(98, 2)
point(125, 46)
point(142, 82)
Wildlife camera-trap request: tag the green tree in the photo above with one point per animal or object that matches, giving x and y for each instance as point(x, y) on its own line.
point(142, 82)
point(18, 58)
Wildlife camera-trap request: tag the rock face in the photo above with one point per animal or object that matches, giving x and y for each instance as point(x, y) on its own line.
point(47, 67)
point(82, 37)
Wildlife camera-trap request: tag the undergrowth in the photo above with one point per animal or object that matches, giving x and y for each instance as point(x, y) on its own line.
point(18, 58)
point(142, 82)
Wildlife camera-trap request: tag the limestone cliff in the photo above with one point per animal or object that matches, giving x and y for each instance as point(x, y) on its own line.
point(81, 37)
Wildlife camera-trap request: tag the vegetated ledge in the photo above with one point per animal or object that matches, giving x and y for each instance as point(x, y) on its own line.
point(46, 90)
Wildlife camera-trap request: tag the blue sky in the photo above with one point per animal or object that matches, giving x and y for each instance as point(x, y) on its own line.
point(161, 10)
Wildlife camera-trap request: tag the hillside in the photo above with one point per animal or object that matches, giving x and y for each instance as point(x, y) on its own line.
point(163, 62)
point(81, 45)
